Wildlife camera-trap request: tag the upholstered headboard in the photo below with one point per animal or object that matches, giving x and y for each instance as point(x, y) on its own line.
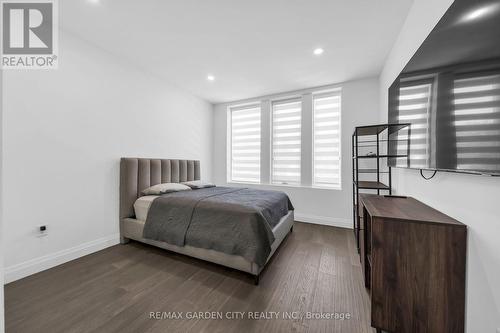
point(137, 174)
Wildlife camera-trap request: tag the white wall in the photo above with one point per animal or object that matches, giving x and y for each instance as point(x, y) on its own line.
point(473, 200)
point(1, 208)
point(333, 207)
point(64, 133)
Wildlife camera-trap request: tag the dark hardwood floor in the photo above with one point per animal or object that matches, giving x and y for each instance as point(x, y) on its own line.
point(316, 269)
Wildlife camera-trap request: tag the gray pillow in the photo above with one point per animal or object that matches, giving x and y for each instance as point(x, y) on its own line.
point(197, 184)
point(165, 188)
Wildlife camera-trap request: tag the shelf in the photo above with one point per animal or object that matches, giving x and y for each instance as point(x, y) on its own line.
point(367, 146)
point(381, 140)
point(380, 156)
point(377, 129)
point(371, 185)
point(370, 171)
point(364, 140)
point(364, 146)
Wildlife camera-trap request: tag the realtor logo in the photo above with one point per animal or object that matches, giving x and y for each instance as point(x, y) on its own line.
point(29, 34)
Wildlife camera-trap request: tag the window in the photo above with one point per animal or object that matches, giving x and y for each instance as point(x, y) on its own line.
point(286, 141)
point(326, 139)
point(245, 144)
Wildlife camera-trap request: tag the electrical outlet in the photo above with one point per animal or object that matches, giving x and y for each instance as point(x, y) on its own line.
point(42, 230)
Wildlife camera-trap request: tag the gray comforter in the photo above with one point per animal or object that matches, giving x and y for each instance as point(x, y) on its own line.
point(236, 221)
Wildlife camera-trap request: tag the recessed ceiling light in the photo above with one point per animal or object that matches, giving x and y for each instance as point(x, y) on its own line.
point(481, 12)
point(210, 77)
point(94, 1)
point(318, 51)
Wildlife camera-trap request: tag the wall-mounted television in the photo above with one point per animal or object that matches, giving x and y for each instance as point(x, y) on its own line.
point(450, 94)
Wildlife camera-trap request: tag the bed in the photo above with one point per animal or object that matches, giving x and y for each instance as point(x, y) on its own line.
point(137, 174)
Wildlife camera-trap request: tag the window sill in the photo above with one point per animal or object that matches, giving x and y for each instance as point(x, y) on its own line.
point(287, 186)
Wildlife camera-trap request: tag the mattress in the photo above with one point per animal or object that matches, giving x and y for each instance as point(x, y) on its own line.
point(142, 205)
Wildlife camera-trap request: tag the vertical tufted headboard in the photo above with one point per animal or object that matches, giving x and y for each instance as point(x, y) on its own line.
point(137, 174)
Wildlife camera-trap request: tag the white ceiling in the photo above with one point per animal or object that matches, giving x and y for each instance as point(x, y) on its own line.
point(252, 47)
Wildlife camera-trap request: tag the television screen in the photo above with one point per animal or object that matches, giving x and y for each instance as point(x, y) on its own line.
point(450, 94)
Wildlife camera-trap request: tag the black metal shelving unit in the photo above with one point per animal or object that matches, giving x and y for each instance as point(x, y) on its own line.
point(377, 139)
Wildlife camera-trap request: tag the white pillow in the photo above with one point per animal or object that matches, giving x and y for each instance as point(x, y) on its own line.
point(197, 184)
point(141, 206)
point(165, 188)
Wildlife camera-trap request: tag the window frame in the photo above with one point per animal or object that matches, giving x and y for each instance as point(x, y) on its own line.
point(265, 103)
point(319, 94)
point(286, 100)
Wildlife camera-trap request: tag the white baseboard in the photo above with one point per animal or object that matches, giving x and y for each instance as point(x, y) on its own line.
point(18, 271)
point(324, 220)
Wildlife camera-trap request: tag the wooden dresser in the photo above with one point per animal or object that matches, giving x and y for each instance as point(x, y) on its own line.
point(413, 259)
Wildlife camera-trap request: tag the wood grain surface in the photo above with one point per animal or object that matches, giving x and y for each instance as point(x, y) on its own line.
point(316, 270)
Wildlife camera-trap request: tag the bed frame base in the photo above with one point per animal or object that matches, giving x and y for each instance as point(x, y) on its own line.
point(256, 277)
point(132, 229)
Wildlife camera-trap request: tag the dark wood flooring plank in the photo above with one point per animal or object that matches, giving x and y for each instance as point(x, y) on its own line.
point(316, 269)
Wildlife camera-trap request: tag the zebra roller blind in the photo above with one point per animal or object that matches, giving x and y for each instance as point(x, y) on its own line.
point(286, 141)
point(245, 143)
point(477, 119)
point(326, 139)
point(415, 108)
